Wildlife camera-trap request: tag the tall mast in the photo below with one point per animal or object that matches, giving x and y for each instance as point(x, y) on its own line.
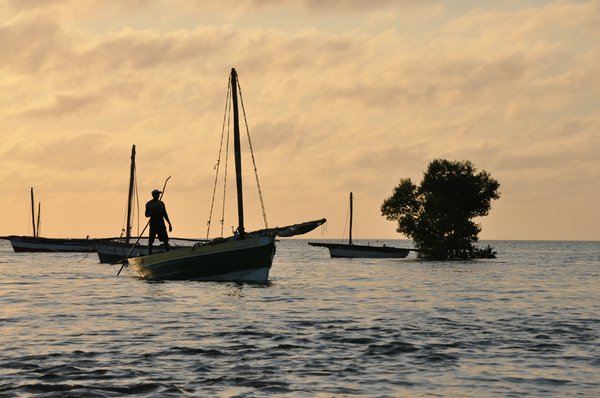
point(33, 214)
point(130, 195)
point(238, 154)
point(350, 240)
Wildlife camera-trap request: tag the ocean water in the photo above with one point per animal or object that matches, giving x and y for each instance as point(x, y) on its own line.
point(526, 324)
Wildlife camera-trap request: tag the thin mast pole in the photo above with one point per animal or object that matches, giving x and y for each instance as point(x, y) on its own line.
point(130, 196)
point(238, 154)
point(33, 214)
point(350, 240)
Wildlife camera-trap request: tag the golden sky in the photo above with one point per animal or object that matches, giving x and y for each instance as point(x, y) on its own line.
point(340, 96)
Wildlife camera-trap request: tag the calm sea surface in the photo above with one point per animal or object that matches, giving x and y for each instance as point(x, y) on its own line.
point(526, 324)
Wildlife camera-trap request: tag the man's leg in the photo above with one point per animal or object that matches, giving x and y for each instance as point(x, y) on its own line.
point(151, 239)
point(164, 238)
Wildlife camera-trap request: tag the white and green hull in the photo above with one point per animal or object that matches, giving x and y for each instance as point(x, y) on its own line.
point(339, 250)
point(245, 260)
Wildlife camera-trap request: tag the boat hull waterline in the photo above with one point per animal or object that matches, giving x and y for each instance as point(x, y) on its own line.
point(244, 260)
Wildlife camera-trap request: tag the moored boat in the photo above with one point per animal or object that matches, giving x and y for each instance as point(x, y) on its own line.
point(21, 244)
point(351, 250)
point(36, 243)
point(243, 257)
point(114, 250)
point(362, 251)
point(247, 260)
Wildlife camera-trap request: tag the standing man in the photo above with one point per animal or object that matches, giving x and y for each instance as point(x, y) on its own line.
point(156, 210)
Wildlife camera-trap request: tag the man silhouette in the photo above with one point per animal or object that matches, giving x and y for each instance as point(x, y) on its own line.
point(156, 210)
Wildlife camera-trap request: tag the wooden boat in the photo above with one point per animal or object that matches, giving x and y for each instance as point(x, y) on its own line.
point(22, 244)
point(350, 250)
point(244, 260)
point(114, 250)
point(118, 249)
point(243, 257)
point(36, 243)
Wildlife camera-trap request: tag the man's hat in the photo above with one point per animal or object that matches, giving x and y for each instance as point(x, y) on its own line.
point(156, 192)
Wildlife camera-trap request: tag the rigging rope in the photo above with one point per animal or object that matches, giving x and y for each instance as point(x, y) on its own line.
point(137, 199)
point(123, 226)
point(262, 204)
point(323, 228)
point(217, 166)
point(227, 122)
point(226, 170)
point(84, 257)
point(353, 226)
point(137, 209)
point(346, 223)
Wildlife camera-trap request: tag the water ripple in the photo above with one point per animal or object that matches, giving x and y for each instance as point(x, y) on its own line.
point(525, 324)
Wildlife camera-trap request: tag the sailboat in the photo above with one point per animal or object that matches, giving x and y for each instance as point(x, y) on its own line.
point(36, 243)
point(114, 250)
point(350, 250)
point(243, 257)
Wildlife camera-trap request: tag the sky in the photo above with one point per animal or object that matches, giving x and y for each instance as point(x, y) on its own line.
point(340, 96)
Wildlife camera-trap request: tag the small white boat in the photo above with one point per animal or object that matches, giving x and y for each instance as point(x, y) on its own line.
point(36, 243)
point(350, 250)
point(362, 251)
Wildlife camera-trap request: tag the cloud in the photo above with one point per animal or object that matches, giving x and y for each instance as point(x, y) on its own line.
point(31, 42)
point(340, 95)
point(63, 104)
point(141, 50)
point(60, 153)
point(309, 6)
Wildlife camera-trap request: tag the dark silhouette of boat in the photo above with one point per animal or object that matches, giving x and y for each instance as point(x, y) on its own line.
point(36, 243)
point(22, 244)
point(351, 250)
point(115, 250)
point(243, 257)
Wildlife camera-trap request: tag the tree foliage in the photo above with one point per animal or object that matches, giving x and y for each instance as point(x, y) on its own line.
point(438, 214)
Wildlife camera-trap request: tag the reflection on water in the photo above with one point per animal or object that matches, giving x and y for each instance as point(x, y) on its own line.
point(524, 324)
